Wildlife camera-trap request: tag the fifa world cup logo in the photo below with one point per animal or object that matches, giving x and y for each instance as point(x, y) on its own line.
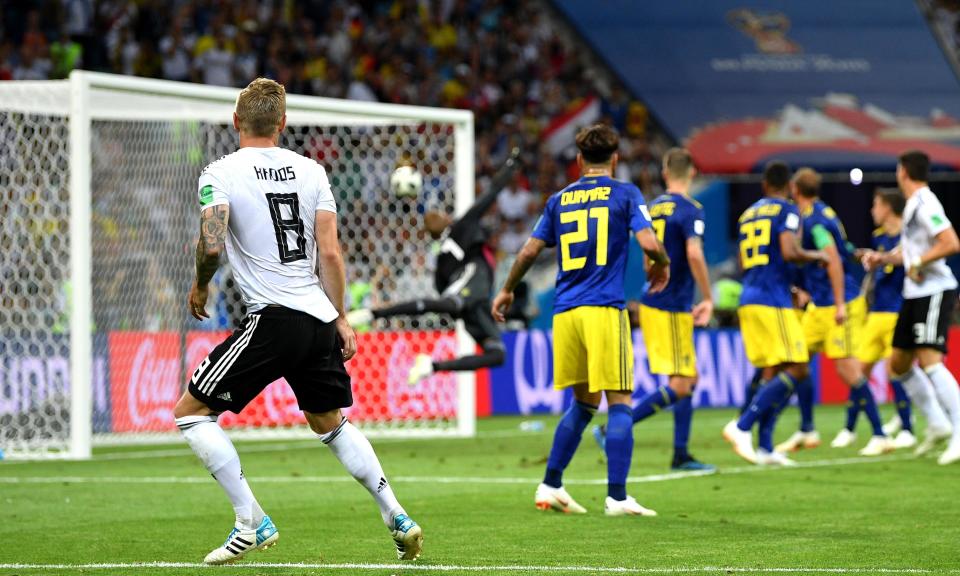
point(768, 31)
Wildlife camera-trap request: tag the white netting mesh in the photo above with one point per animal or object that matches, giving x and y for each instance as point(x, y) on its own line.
point(34, 400)
point(145, 221)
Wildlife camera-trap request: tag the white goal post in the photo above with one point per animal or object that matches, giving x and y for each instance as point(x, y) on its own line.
point(97, 223)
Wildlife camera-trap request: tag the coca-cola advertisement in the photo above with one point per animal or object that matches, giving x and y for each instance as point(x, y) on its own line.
point(145, 380)
point(147, 377)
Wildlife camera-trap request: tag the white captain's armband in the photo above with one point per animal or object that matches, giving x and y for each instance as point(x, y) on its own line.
point(793, 222)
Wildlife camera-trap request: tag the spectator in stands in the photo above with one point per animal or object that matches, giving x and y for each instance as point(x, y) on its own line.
point(175, 50)
point(513, 236)
point(6, 68)
point(504, 60)
point(65, 54)
point(515, 202)
point(32, 65)
point(215, 59)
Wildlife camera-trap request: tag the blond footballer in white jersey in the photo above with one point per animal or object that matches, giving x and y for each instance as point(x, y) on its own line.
point(273, 213)
point(930, 297)
point(273, 195)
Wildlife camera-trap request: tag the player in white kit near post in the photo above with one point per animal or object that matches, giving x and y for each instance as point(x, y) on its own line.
point(273, 213)
point(929, 298)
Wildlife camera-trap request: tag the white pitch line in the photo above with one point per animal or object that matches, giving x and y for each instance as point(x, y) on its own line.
point(444, 479)
point(253, 448)
point(502, 568)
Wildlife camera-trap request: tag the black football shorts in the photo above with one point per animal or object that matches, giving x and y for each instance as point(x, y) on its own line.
point(271, 343)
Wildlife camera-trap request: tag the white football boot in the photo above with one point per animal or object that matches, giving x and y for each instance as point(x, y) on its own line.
point(904, 439)
point(408, 536)
point(844, 439)
point(799, 440)
point(893, 425)
point(932, 438)
point(742, 441)
point(878, 445)
point(422, 368)
point(360, 317)
point(774, 458)
point(951, 454)
point(242, 541)
point(550, 498)
point(628, 507)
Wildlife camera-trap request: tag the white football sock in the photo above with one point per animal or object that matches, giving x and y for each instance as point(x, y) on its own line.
point(216, 451)
point(947, 392)
point(921, 393)
point(354, 451)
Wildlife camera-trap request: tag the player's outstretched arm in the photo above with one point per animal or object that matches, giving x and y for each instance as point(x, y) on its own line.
point(333, 275)
point(504, 299)
point(873, 259)
point(497, 184)
point(824, 242)
point(835, 275)
point(945, 244)
point(793, 253)
point(658, 273)
point(213, 235)
point(703, 311)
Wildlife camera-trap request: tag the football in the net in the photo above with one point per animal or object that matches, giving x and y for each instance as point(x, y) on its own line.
point(406, 182)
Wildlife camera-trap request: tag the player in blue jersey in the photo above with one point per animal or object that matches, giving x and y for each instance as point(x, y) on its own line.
point(592, 221)
point(886, 286)
point(668, 317)
point(772, 334)
point(833, 323)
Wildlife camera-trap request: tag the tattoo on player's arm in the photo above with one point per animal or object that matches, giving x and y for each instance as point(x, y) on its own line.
point(213, 235)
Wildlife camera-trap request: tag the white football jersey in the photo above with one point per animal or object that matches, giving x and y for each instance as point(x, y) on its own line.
point(923, 219)
point(273, 195)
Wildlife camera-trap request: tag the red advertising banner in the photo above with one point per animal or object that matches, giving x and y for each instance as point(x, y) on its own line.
point(834, 391)
point(380, 370)
point(379, 373)
point(147, 377)
point(145, 380)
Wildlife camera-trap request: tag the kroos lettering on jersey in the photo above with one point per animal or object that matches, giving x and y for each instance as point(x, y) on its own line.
point(281, 175)
point(273, 195)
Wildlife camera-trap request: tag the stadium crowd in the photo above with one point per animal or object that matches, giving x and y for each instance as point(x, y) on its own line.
point(502, 59)
point(506, 60)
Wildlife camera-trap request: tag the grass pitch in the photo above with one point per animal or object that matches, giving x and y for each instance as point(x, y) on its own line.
point(155, 511)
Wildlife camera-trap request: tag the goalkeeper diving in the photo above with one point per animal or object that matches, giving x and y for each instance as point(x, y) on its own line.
point(463, 280)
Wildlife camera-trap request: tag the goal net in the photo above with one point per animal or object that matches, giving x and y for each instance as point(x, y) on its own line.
point(98, 224)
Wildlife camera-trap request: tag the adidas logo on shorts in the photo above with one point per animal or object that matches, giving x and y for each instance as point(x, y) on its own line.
point(225, 396)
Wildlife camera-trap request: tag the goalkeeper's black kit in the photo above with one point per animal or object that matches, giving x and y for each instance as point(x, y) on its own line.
point(464, 280)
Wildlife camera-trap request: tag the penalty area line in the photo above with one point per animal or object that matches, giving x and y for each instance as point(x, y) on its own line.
point(483, 568)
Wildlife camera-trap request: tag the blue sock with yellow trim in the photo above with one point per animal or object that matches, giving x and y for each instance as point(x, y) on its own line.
point(619, 450)
point(653, 402)
point(682, 422)
point(864, 398)
point(751, 389)
point(903, 404)
point(766, 425)
point(565, 441)
point(774, 392)
point(853, 411)
point(805, 402)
